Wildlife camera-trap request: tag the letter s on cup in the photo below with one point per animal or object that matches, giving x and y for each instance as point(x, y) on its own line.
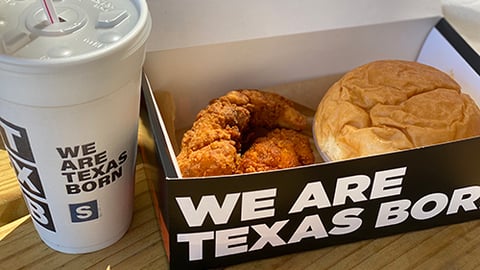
point(81, 212)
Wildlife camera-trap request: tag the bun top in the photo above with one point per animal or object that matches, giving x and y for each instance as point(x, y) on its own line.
point(392, 105)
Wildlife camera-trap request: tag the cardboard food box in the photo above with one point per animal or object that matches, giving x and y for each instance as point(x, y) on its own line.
point(217, 221)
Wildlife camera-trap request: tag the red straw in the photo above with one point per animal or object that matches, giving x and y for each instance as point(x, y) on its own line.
point(50, 11)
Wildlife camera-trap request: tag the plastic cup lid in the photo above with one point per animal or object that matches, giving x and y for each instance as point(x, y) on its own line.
point(86, 27)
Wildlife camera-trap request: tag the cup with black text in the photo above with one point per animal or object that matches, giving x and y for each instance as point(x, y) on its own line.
point(69, 109)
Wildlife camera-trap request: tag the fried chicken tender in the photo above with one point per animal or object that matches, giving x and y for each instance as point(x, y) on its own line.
point(279, 149)
point(217, 158)
point(269, 110)
point(214, 143)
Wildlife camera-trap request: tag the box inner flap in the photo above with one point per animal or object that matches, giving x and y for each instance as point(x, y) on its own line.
point(196, 75)
point(189, 23)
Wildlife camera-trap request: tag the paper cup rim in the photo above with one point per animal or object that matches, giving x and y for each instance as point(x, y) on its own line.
point(131, 42)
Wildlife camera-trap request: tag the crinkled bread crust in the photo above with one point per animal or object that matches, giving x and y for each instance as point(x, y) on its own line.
point(391, 105)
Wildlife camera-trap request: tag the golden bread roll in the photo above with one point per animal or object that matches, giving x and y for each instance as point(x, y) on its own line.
point(392, 105)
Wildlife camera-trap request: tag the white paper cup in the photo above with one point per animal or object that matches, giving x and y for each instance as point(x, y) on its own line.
point(69, 106)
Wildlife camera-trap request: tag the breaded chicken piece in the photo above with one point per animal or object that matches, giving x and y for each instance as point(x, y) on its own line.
point(270, 110)
point(279, 149)
point(217, 158)
point(214, 143)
